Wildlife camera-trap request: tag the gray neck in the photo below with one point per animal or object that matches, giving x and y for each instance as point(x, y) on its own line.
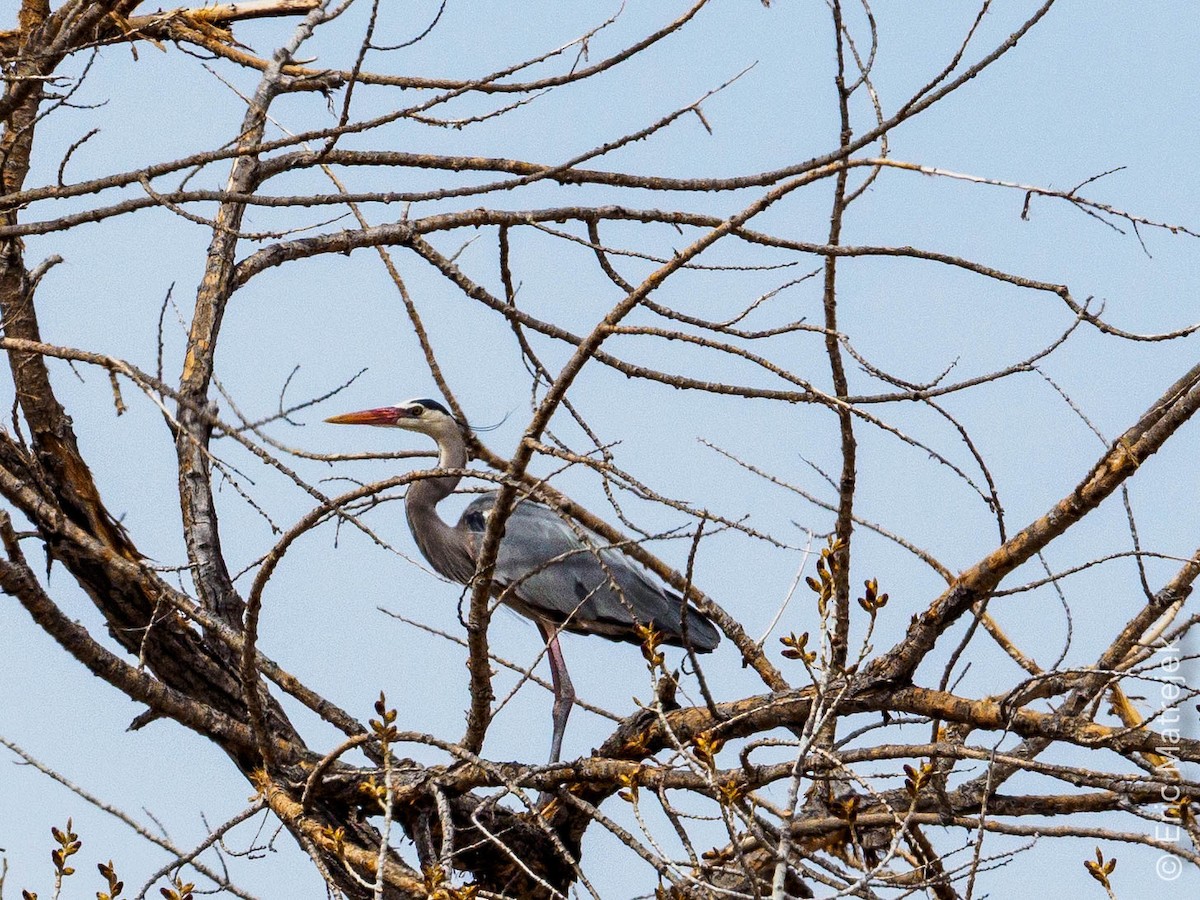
point(443, 546)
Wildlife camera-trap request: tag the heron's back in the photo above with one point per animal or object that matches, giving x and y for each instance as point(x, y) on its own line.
point(567, 575)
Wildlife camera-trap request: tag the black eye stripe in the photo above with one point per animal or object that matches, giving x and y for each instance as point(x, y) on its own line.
point(430, 405)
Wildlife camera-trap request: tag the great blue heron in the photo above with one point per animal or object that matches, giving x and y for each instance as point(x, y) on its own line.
point(562, 577)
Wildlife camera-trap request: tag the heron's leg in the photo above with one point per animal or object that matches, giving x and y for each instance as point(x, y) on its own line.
point(564, 691)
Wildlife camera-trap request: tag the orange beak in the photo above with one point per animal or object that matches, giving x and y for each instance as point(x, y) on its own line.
point(384, 415)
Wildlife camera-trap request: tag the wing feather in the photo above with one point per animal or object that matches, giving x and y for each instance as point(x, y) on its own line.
point(572, 577)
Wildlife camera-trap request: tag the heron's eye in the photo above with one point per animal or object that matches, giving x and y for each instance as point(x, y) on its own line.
point(417, 410)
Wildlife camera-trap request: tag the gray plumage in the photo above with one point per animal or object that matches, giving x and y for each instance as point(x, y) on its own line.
point(559, 574)
point(572, 578)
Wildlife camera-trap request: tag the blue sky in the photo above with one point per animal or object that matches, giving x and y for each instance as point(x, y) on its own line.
point(1093, 87)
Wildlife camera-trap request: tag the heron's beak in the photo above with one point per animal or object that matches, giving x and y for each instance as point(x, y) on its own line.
point(384, 415)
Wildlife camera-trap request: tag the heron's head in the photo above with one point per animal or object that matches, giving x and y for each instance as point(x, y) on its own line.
point(423, 415)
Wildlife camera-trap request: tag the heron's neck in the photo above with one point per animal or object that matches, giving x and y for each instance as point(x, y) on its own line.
point(437, 541)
